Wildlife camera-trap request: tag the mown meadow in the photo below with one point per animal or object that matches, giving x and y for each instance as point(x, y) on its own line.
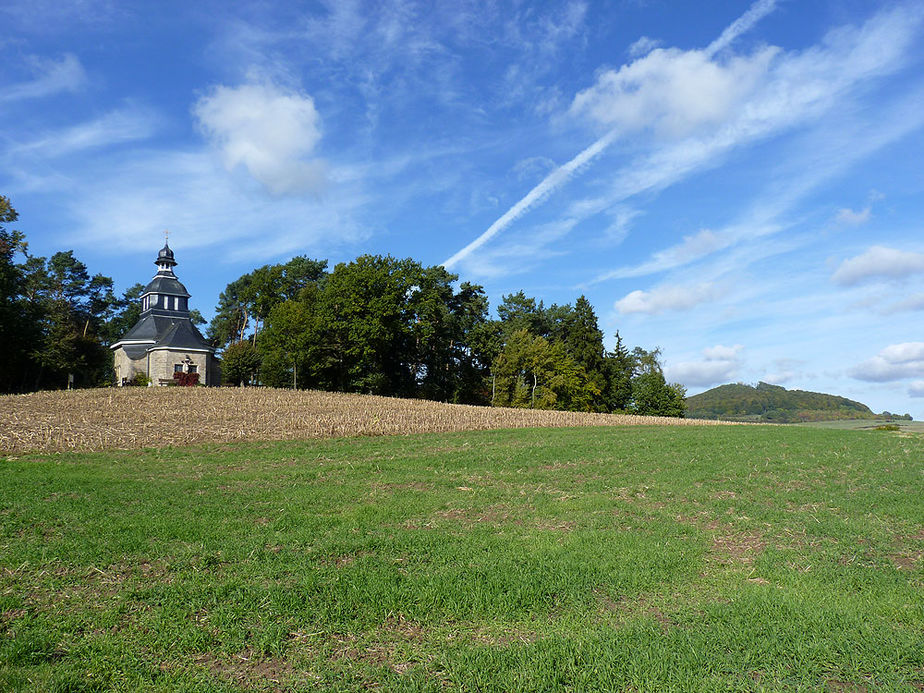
point(602, 558)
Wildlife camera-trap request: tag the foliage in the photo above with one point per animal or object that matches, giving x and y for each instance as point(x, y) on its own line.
point(247, 301)
point(651, 393)
point(773, 403)
point(240, 364)
point(530, 372)
point(618, 370)
point(389, 326)
point(125, 313)
point(185, 379)
point(54, 316)
point(140, 380)
point(17, 314)
point(384, 326)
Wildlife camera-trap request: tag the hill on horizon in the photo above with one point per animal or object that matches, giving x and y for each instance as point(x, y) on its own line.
point(776, 404)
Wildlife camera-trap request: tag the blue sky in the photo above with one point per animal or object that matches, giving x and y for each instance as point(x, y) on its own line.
point(738, 183)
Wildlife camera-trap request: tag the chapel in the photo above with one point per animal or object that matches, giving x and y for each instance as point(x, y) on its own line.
point(164, 341)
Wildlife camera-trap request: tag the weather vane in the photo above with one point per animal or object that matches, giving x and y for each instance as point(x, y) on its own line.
point(166, 236)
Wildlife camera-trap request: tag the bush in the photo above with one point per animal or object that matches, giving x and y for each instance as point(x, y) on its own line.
point(185, 379)
point(140, 379)
point(240, 363)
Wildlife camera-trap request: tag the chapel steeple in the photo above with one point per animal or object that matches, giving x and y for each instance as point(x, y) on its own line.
point(165, 294)
point(165, 259)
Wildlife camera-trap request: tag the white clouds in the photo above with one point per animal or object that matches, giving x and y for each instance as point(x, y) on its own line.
point(878, 262)
point(269, 130)
point(52, 77)
point(910, 304)
point(705, 104)
point(116, 127)
point(720, 364)
point(692, 248)
point(895, 362)
point(787, 369)
point(675, 92)
point(643, 46)
point(190, 193)
point(720, 352)
point(532, 167)
point(667, 298)
point(849, 217)
point(916, 389)
point(672, 92)
point(672, 89)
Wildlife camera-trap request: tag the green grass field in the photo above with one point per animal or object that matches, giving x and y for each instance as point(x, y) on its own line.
point(644, 558)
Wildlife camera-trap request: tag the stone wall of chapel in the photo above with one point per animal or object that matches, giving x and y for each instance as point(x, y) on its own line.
point(163, 361)
point(126, 368)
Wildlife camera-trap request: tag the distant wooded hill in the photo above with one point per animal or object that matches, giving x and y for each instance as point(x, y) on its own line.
point(772, 403)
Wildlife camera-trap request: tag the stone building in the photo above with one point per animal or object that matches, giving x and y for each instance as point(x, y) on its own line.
point(164, 341)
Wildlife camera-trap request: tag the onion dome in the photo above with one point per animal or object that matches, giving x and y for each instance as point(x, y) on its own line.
point(165, 257)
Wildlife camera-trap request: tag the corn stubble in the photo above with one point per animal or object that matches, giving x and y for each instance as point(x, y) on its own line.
point(131, 418)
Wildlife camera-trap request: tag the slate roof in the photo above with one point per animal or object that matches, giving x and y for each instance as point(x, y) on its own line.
point(163, 331)
point(165, 284)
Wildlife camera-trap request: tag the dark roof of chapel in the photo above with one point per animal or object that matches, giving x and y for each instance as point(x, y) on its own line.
point(165, 255)
point(173, 332)
point(166, 284)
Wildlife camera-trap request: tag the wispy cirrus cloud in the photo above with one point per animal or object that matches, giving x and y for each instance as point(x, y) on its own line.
point(642, 46)
point(50, 77)
point(608, 88)
point(190, 192)
point(784, 371)
point(535, 196)
point(128, 124)
point(850, 217)
point(821, 153)
point(752, 97)
point(909, 304)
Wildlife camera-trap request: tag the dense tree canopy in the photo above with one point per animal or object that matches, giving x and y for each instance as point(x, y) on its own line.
point(389, 326)
point(55, 319)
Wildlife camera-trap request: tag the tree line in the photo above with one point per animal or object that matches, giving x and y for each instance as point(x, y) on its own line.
point(375, 325)
point(56, 320)
point(388, 326)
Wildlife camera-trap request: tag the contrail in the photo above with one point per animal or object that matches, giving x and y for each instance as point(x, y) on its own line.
point(755, 13)
point(563, 173)
point(548, 184)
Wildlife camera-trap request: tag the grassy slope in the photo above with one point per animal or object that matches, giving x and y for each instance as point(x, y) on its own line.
point(700, 558)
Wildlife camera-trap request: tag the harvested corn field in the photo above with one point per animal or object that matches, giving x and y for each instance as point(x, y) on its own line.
point(128, 418)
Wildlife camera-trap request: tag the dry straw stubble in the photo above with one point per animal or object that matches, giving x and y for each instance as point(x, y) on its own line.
point(131, 418)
